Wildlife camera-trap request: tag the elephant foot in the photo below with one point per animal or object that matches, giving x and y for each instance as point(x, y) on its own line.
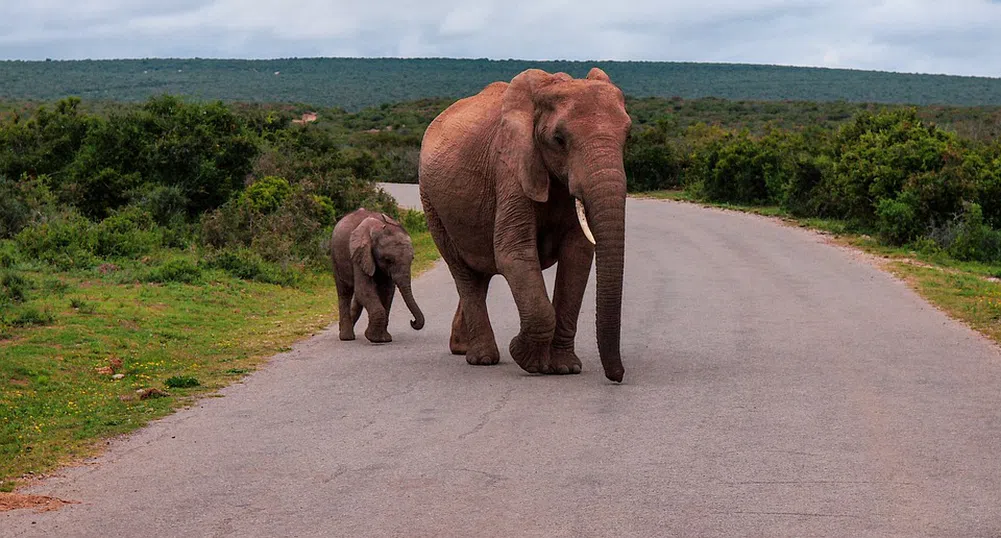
point(486, 355)
point(537, 358)
point(347, 332)
point(378, 336)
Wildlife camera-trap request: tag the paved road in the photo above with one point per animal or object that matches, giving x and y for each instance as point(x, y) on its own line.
point(775, 386)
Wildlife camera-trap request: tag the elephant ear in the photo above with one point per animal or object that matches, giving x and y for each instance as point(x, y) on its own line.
point(518, 155)
point(360, 246)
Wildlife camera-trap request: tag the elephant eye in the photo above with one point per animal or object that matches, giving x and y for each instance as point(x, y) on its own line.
point(560, 139)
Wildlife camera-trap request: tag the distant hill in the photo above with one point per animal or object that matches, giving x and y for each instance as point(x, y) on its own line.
point(353, 84)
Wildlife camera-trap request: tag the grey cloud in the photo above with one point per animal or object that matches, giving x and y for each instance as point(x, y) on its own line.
point(955, 37)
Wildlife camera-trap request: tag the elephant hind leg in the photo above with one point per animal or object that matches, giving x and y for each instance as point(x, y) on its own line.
point(481, 344)
point(346, 302)
point(471, 334)
point(458, 341)
point(355, 312)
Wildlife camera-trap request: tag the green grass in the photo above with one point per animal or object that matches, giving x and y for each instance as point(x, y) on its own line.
point(58, 392)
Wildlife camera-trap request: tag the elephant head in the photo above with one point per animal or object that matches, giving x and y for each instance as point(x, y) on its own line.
point(381, 243)
point(555, 128)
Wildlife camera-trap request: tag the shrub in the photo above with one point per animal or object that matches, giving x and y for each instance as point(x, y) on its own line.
point(738, 169)
point(651, 163)
point(28, 316)
point(248, 265)
point(166, 203)
point(179, 270)
point(82, 306)
point(414, 221)
point(399, 165)
point(9, 256)
point(267, 194)
point(23, 203)
point(14, 287)
point(899, 222)
point(974, 240)
point(182, 382)
point(65, 242)
point(128, 233)
point(203, 150)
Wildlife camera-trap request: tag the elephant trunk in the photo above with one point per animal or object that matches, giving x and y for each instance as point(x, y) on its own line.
point(604, 194)
point(408, 297)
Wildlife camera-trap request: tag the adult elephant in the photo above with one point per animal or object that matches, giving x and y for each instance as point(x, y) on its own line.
point(512, 180)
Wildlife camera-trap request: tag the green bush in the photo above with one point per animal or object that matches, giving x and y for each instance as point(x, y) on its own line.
point(166, 203)
point(414, 221)
point(246, 264)
point(26, 317)
point(898, 219)
point(9, 255)
point(14, 287)
point(974, 240)
point(65, 242)
point(738, 169)
point(651, 163)
point(22, 203)
point(181, 270)
point(128, 233)
point(267, 194)
point(182, 382)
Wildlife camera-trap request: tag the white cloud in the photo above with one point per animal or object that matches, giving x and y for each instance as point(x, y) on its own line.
point(954, 37)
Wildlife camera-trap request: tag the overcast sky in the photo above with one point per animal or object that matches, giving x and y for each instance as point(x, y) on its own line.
point(960, 37)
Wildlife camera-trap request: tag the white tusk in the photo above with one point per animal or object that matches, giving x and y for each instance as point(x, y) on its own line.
point(583, 221)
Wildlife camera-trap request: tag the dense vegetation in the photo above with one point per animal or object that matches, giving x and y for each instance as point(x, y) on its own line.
point(889, 173)
point(152, 251)
point(357, 83)
point(252, 194)
point(125, 225)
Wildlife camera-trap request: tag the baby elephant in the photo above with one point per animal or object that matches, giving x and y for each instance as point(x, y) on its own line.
point(372, 254)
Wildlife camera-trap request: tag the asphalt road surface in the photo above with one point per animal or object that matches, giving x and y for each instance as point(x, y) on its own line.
point(775, 386)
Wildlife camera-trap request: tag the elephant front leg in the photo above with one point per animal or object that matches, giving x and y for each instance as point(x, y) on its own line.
point(367, 295)
point(530, 348)
point(572, 271)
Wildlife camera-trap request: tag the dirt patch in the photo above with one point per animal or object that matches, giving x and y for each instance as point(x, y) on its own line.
point(40, 503)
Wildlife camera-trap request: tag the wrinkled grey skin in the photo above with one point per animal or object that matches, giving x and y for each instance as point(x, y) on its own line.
point(372, 255)
point(499, 175)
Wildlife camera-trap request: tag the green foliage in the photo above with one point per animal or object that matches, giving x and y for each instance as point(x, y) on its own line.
point(181, 270)
point(45, 143)
point(128, 233)
point(738, 168)
point(267, 194)
point(249, 265)
point(355, 83)
point(25, 317)
point(203, 150)
point(899, 222)
point(413, 221)
point(9, 255)
point(66, 242)
point(651, 162)
point(83, 307)
point(14, 287)
point(182, 382)
point(971, 239)
point(23, 202)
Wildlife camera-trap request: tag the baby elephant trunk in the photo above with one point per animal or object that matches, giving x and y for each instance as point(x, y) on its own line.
point(408, 296)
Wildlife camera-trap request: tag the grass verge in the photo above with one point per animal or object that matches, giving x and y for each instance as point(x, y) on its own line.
point(105, 357)
point(967, 291)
